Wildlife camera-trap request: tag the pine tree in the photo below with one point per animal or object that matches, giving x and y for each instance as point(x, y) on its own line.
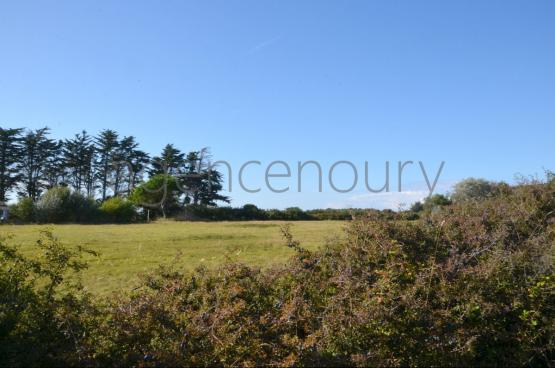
point(89, 179)
point(10, 152)
point(120, 162)
point(54, 172)
point(106, 144)
point(78, 157)
point(201, 182)
point(210, 189)
point(138, 161)
point(170, 161)
point(191, 180)
point(129, 162)
point(36, 158)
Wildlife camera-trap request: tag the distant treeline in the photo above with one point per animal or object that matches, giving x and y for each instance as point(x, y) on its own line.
point(466, 190)
point(62, 205)
point(97, 168)
point(251, 212)
point(108, 178)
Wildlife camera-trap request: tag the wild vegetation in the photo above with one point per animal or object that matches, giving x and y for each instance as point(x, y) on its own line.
point(95, 169)
point(109, 179)
point(468, 283)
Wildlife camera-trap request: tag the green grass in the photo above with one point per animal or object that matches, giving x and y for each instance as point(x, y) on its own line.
point(127, 250)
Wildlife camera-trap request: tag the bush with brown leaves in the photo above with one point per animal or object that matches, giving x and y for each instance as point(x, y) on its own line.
point(472, 284)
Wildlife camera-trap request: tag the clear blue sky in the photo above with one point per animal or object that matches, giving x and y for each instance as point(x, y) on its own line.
point(468, 82)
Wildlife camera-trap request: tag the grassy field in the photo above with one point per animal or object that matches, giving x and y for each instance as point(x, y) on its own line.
point(127, 250)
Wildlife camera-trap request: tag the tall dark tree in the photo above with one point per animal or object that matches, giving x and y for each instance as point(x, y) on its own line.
point(191, 179)
point(211, 187)
point(201, 182)
point(170, 161)
point(129, 162)
point(10, 151)
point(120, 162)
point(138, 161)
point(36, 156)
point(89, 178)
point(106, 145)
point(78, 155)
point(54, 171)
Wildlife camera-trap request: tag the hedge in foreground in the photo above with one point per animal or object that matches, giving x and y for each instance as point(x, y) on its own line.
point(471, 285)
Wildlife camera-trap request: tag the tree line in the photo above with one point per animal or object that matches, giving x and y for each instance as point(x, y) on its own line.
point(104, 166)
point(104, 178)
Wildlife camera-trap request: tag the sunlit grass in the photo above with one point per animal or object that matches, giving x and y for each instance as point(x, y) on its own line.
point(127, 250)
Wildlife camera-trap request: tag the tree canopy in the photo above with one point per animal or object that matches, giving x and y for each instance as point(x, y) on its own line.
point(104, 166)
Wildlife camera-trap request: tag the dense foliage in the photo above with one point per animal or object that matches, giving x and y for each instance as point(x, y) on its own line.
point(118, 210)
point(472, 283)
point(63, 205)
point(9, 153)
point(42, 314)
point(60, 204)
point(251, 212)
point(32, 165)
point(159, 194)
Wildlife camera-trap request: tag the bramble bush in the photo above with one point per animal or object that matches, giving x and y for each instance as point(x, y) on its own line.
point(43, 315)
point(472, 283)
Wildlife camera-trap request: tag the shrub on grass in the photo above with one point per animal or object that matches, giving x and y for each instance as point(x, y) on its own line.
point(117, 209)
point(473, 189)
point(23, 211)
point(60, 204)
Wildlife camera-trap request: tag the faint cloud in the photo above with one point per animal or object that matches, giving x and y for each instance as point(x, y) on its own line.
point(263, 45)
point(390, 200)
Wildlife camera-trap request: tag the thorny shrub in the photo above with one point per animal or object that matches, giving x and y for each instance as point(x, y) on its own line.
point(472, 284)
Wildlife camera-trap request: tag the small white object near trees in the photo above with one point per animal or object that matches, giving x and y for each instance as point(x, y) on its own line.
point(3, 212)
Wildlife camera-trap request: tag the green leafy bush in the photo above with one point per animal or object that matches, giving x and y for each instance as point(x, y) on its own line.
point(118, 210)
point(159, 194)
point(23, 211)
point(43, 316)
point(53, 206)
point(60, 204)
point(473, 189)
